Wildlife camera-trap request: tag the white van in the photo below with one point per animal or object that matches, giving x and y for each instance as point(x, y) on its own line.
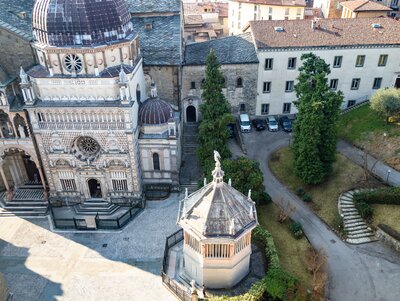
point(244, 123)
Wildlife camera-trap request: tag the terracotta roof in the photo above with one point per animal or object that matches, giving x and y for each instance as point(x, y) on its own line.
point(327, 32)
point(193, 19)
point(275, 2)
point(364, 5)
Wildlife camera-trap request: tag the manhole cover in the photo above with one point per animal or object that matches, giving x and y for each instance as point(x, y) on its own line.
point(333, 241)
point(105, 245)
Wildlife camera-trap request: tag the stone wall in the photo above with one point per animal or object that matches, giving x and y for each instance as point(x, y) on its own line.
point(387, 238)
point(166, 79)
point(15, 52)
point(236, 96)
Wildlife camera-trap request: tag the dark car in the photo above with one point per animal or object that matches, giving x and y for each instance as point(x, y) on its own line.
point(285, 123)
point(259, 124)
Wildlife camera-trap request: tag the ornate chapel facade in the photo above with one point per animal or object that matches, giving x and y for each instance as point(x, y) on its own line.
point(83, 100)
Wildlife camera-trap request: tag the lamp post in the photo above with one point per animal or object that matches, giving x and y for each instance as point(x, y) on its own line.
point(387, 177)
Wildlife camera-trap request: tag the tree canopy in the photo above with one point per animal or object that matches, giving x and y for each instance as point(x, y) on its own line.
point(315, 130)
point(386, 102)
point(215, 111)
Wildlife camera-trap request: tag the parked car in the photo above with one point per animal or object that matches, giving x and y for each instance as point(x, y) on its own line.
point(259, 124)
point(285, 123)
point(245, 125)
point(231, 130)
point(272, 124)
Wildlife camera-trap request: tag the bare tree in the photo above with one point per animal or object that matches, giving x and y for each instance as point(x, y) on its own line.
point(285, 210)
point(317, 266)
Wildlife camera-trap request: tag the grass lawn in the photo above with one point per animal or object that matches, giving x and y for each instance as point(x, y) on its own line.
point(387, 214)
point(345, 176)
point(292, 252)
point(365, 128)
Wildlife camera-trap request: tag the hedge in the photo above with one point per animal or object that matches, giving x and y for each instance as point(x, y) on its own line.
point(277, 283)
point(386, 195)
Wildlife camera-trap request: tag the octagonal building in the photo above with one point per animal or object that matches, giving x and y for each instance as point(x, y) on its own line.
point(217, 222)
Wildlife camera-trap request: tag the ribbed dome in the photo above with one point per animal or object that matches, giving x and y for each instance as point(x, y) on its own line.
point(155, 111)
point(80, 22)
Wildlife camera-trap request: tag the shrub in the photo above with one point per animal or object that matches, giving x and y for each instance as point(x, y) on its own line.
point(339, 225)
point(300, 191)
point(307, 198)
point(386, 195)
point(364, 210)
point(296, 230)
point(265, 199)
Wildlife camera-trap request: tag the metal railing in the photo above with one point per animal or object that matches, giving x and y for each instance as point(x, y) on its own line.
point(180, 293)
point(359, 102)
point(171, 241)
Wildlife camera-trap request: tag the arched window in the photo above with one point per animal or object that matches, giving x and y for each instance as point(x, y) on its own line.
point(138, 94)
point(223, 82)
point(239, 82)
point(156, 161)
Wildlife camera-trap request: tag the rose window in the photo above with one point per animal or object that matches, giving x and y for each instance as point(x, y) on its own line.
point(86, 148)
point(73, 63)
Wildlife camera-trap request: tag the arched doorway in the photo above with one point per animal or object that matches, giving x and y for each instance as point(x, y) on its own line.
point(95, 189)
point(191, 114)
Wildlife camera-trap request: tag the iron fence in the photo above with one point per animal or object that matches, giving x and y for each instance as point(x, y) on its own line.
point(178, 291)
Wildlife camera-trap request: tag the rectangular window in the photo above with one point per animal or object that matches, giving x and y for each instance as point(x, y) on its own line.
point(355, 84)
point(337, 62)
point(286, 13)
point(286, 108)
point(68, 184)
point(265, 109)
point(377, 83)
point(333, 84)
point(360, 60)
point(269, 64)
point(289, 86)
point(192, 85)
point(120, 185)
point(351, 103)
point(291, 63)
point(267, 87)
point(382, 60)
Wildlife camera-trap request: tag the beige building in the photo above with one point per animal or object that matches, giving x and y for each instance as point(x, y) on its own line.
point(217, 221)
point(362, 54)
point(243, 11)
point(364, 9)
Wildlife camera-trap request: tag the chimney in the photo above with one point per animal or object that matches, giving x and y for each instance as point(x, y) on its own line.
point(313, 22)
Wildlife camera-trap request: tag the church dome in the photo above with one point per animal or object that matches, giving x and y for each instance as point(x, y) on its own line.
point(80, 22)
point(155, 111)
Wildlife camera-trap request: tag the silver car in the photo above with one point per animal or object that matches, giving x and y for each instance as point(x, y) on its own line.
point(272, 124)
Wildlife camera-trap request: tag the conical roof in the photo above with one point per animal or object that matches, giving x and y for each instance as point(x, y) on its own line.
point(217, 209)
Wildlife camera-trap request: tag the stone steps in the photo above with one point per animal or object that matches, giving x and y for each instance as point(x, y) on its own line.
point(357, 229)
point(94, 207)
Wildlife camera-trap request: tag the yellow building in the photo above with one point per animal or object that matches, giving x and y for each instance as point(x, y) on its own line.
point(363, 9)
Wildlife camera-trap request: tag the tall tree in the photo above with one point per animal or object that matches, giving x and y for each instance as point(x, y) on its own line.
point(315, 130)
point(215, 111)
point(386, 102)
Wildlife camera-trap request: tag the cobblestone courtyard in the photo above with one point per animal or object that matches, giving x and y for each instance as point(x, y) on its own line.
point(42, 265)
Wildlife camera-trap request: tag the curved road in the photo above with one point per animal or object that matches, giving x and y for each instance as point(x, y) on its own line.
point(369, 272)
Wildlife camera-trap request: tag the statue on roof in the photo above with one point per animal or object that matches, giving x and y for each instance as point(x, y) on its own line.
point(23, 76)
point(217, 158)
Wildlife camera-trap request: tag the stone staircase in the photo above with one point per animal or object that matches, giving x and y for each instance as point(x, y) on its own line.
point(190, 171)
point(357, 229)
point(28, 201)
point(95, 206)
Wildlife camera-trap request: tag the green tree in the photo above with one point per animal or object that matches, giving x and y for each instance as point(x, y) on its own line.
point(386, 102)
point(315, 130)
point(246, 174)
point(215, 111)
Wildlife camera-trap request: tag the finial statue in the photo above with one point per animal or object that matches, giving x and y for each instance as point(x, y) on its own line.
point(23, 76)
point(153, 90)
point(122, 75)
point(217, 158)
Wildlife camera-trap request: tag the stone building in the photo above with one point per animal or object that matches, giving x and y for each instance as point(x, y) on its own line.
point(364, 9)
point(159, 24)
point(217, 221)
point(83, 101)
point(239, 63)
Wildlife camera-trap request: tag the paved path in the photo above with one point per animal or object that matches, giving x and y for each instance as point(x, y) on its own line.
point(42, 265)
point(369, 272)
point(378, 168)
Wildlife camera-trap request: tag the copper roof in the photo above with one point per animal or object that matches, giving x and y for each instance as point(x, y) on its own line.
point(275, 2)
point(364, 5)
point(327, 32)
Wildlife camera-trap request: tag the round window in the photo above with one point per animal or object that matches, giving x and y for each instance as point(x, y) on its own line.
point(88, 145)
point(73, 63)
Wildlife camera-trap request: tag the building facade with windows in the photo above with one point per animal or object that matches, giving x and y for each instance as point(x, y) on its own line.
point(99, 133)
point(243, 11)
point(239, 63)
point(362, 54)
